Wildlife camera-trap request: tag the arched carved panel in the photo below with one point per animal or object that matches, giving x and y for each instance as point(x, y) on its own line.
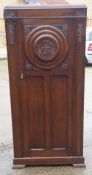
point(46, 46)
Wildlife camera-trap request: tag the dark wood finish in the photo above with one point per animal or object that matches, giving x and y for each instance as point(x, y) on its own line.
point(46, 47)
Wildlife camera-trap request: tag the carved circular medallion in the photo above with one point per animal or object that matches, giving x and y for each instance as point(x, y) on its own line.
point(46, 47)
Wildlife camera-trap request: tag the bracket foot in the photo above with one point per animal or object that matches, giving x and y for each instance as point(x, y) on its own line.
point(18, 166)
point(81, 165)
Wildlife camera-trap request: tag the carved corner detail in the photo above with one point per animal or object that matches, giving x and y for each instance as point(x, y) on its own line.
point(81, 12)
point(63, 65)
point(63, 28)
point(9, 14)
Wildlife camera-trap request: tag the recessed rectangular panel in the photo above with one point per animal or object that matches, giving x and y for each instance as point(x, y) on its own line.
point(58, 112)
point(36, 112)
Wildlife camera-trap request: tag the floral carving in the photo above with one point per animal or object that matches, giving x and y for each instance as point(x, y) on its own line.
point(46, 48)
point(81, 31)
point(11, 31)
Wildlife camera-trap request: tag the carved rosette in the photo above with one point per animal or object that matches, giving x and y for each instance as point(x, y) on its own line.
point(46, 46)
